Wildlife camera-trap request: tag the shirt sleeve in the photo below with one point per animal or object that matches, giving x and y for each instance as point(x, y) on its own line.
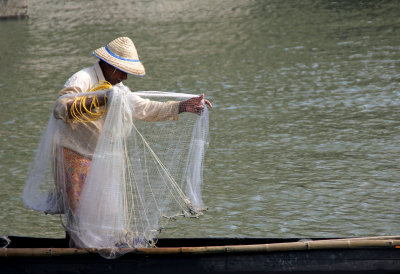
point(78, 83)
point(152, 111)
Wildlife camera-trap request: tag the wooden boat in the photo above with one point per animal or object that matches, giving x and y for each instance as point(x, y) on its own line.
point(208, 255)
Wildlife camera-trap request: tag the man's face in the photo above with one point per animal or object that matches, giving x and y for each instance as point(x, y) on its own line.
point(114, 75)
point(117, 76)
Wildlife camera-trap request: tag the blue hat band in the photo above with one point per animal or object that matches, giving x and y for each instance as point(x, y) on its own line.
point(120, 58)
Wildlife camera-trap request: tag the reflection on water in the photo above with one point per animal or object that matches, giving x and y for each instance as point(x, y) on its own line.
point(304, 130)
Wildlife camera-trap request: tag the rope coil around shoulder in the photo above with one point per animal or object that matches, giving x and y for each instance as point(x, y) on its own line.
point(83, 114)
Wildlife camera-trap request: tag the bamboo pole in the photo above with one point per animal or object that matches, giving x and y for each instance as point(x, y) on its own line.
point(374, 238)
point(257, 248)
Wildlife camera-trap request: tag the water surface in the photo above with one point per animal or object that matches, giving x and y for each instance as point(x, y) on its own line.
point(305, 126)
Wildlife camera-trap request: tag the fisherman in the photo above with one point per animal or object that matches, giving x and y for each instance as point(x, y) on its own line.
point(118, 59)
point(77, 132)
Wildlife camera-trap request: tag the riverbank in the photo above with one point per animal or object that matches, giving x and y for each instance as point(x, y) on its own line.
point(13, 9)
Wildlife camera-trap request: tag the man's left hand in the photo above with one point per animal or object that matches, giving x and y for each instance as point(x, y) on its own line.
point(194, 105)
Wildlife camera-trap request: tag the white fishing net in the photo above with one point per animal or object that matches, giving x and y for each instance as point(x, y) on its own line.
point(134, 175)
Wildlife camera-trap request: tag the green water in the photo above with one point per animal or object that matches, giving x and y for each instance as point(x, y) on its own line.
point(306, 120)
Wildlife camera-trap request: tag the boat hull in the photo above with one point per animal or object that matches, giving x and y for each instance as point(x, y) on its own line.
point(202, 256)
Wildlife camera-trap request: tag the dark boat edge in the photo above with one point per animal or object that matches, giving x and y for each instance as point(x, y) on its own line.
point(380, 254)
point(26, 241)
point(40, 242)
point(16, 245)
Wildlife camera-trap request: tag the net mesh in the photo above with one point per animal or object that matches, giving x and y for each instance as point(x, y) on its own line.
point(123, 190)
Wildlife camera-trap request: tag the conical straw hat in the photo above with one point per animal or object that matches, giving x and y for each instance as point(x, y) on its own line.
point(121, 53)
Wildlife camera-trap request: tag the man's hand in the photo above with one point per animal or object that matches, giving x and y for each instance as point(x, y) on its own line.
point(194, 105)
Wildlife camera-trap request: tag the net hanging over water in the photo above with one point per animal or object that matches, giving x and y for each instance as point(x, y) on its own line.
point(128, 177)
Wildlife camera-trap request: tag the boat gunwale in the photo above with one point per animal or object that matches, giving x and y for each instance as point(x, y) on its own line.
point(304, 245)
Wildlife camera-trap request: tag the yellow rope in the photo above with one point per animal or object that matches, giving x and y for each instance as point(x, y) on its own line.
point(81, 113)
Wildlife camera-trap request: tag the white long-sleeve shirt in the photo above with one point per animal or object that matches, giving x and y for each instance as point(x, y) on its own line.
point(82, 137)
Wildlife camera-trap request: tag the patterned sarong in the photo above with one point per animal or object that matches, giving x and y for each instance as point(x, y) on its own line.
point(76, 168)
